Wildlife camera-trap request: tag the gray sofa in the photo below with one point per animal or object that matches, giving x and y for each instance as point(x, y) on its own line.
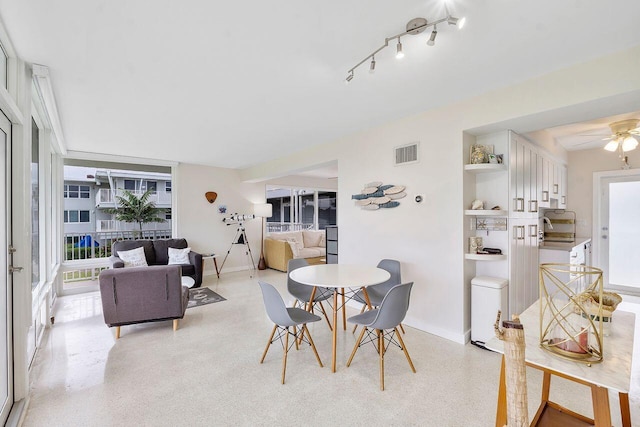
point(157, 253)
point(143, 294)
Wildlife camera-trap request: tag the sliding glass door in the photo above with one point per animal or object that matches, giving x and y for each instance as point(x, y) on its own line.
point(6, 350)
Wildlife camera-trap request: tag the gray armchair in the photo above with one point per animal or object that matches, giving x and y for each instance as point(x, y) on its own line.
point(142, 294)
point(157, 253)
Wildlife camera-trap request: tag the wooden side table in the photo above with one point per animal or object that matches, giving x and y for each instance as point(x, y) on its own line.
point(215, 263)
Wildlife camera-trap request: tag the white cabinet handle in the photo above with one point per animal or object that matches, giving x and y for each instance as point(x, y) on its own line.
point(519, 205)
point(533, 203)
point(518, 232)
point(533, 230)
point(545, 196)
point(555, 188)
point(564, 200)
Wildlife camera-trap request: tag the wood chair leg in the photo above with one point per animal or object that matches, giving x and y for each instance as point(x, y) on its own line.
point(404, 348)
point(326, 316)
point(295, 336)
point(355, 347)
point(284, 357)
point(117, 332)
point(501, 407)
point(313, 346)
point(175, 324)
point(273, 332)
point(381, 351)
point(402, 328)
point(601, 409)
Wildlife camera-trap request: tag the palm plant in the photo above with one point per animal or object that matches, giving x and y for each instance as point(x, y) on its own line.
point(132, 208)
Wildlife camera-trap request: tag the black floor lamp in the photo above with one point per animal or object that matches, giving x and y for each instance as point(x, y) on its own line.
point(263, 210)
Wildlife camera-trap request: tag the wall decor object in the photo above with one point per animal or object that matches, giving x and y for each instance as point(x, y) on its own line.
point(376, 196)
point(211, 196)
point(480, 154)
point(222, 209)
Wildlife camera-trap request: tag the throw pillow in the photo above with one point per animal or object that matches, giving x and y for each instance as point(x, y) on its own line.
point(179, 256)
point(312, 238)
point(295, 250)
point(133, 258)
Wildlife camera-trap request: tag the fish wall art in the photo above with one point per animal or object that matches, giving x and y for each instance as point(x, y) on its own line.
point(376, 196)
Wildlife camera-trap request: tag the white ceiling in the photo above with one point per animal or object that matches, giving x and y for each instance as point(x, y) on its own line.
point(233, 84)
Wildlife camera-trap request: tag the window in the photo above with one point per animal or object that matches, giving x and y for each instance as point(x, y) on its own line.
point(130, 184)
point(150, 186)
point(167, 186)
point(35, 204)
point(77, 191)
point(76, 216)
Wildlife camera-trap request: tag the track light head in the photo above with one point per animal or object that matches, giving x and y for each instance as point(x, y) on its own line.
point(349, 77)
point(432, 39)
point(372, 67)
point(452, 20)
point(399, 52)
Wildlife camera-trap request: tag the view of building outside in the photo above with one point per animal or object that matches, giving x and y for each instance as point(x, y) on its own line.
point(89, 192)
point(301, 209)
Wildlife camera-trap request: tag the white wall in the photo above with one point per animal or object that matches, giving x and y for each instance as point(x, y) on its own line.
point(300, 181)
point(429, 239)
point(199, 222)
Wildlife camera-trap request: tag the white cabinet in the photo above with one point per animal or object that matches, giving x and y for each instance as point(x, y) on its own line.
point(546, 178)
point(562, 195)
point(523, 264)
point(523, 178)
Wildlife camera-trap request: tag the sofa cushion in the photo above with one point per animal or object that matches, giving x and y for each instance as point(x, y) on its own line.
point(126, 245)
point(312, 238)
point(178, 256)
point(133, 258)
point(161, 249)
point(289, 236)
point(295, 249)
point(311, 252)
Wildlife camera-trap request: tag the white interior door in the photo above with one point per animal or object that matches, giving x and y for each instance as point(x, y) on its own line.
point(618, 232)
point(6, 349)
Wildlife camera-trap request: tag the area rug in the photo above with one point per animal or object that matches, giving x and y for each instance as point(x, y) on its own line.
point(203, 296)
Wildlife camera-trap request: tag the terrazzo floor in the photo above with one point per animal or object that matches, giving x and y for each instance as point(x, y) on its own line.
point(207, 373)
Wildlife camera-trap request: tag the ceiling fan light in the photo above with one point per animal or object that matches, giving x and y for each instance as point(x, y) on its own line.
point(611, 145)
point(629, 143)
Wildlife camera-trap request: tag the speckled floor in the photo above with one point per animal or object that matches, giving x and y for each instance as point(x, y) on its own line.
point(208, 373)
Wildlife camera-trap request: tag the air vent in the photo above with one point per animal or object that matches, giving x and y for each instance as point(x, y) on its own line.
point(406, 154)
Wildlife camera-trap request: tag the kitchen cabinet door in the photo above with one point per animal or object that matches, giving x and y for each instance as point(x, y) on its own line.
point(562, 199)
point(544, 194)
point(523, 264)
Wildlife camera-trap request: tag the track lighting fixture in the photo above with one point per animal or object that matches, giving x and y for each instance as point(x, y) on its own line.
point(399, 52)
point(349, 77)
point(413, 27)
point(432, 39)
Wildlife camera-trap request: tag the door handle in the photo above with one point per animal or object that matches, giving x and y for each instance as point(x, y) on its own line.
point(13, 269)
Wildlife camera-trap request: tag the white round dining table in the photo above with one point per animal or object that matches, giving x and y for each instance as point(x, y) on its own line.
point(338, 277)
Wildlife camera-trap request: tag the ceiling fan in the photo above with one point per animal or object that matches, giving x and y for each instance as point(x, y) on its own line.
point(624, 136)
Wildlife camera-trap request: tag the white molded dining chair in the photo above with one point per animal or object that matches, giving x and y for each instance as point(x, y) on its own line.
point(384, 321)
point(284, 318)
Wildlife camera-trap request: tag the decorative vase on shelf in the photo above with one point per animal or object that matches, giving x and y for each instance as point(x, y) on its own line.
point(477, 156)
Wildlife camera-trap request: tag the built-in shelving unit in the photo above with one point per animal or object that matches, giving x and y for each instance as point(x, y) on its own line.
point(485, 167)
point(485, 257)
point(485, 212)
